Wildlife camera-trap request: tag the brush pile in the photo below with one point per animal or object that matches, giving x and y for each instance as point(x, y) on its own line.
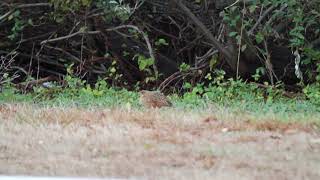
point(159, 42)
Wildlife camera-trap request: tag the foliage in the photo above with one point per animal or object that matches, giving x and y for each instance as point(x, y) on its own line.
point(18, 26)
point(113, 73)
point(184, 67)
point(313, 93)
point(312, 57)
point(66, 17)
point(235, 95)
point(113, 8)
point(67, 5)
point(146, 64)
point(9, 94)
point(161, 42)
point(303, 26)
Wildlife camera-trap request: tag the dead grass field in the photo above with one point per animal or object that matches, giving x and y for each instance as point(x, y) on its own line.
point(154, 144)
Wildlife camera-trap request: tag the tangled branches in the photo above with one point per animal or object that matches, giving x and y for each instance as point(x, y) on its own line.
point(145, 41)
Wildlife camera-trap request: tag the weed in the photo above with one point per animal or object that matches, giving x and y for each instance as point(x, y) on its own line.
point(236, 96)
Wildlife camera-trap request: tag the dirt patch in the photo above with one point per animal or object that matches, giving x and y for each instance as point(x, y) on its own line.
point(153, 144)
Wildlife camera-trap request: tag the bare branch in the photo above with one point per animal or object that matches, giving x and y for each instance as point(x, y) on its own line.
point(81, 32)
point(21, 6)
point(264, 15)
point(230, 59)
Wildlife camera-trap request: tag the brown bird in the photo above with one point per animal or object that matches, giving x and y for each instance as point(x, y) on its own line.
point(154, 99)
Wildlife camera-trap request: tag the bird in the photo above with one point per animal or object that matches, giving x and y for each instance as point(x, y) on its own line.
point(154, 99)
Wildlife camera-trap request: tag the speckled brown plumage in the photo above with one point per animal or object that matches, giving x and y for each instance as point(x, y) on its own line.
point(154, 99)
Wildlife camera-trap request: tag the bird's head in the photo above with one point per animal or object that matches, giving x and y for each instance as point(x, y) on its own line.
point(143, 92)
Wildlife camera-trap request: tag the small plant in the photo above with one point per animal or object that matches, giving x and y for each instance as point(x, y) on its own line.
point(65, 6)
point(161, 42)
point(114, 9)
point(146, 64)
point(18, 26)
point(312, 56)
point(312, 92)
point(113, 74)
point(73, 82)
point(184, 67)
point(259, 72)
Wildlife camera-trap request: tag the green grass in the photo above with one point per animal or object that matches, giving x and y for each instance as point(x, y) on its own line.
point(238, 100)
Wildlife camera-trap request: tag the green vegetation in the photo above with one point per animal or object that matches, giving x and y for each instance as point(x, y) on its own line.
point(255, 27)
point(235, 96)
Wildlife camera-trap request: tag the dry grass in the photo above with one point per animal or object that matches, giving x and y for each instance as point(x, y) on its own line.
point(154, 144)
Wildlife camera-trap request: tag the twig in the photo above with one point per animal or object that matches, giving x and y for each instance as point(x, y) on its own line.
point(269, 64)
point(180, 74)
point(264, 15)
point(81, 32)
point(65, 52)
point(21, 6)
point(35, 37)
point(240, 43)
point(30, 84)
point(70, 36)
point(270, 20)
point(230, 59)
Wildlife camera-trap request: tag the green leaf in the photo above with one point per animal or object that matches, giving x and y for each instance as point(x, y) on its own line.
point(161, 42)
point(243, 47)
point(232, 34)
point(259, 37)
point(144, 62)
point(213, 62)
point(184, 67)
point(252, 8)
point(10, 17)
point(30, 22)
point(113, 70)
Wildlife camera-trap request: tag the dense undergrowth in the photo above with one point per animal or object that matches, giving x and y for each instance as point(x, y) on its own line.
point(109, 39)
point(269, 25)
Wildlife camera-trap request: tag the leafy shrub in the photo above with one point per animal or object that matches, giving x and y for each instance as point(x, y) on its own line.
point(313, 93)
